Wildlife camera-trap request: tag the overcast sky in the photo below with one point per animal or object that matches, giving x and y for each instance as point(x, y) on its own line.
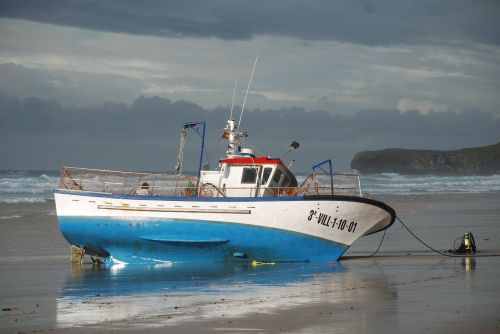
point(341, 76)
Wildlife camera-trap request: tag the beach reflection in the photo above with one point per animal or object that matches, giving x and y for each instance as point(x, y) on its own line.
point(123, 280)
point(164, 294)
point(469, 264)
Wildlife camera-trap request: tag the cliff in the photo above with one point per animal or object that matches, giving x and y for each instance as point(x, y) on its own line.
point(483, 160)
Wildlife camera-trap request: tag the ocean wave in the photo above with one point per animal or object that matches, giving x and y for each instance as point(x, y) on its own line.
point(27, 186)
point(10, 217)
point(393, 183)
point(18, 200)
point(429, 184)
point(33, 185)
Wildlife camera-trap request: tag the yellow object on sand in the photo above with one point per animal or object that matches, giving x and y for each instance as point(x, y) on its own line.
point(259, 263)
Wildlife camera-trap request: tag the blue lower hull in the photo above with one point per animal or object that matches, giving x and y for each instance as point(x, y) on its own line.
point(146, 240)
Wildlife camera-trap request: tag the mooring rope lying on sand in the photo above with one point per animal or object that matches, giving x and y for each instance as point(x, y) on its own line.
point(427, 245)
point(435, 250)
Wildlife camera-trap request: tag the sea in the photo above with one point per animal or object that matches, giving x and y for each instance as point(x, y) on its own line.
point(35, 186)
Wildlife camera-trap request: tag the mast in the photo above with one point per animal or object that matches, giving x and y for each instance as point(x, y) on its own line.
point(233, 137)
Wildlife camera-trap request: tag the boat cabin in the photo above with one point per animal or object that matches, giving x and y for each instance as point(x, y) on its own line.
point(248, 176)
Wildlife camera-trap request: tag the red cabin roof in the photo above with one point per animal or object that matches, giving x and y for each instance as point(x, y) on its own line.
point(253, 161)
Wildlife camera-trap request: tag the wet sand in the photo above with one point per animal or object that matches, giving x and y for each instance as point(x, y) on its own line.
point(405, 288)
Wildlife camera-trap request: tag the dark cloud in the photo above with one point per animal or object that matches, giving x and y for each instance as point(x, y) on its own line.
point(37, 133)
point(365, 22)
point(68, 87)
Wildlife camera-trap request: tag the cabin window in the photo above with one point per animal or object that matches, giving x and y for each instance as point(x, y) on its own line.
point(286, 182)
point(249, 175)
point(265, 175)
point(277, 177)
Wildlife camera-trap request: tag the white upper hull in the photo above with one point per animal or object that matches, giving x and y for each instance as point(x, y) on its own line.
point(338, 219)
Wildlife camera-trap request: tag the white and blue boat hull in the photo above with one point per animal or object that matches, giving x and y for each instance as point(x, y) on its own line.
point(138, 229)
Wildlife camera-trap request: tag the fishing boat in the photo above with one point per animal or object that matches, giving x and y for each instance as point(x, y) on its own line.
point(251, 208)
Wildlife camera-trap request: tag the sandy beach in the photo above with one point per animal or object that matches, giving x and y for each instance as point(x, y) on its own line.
point(404, 288)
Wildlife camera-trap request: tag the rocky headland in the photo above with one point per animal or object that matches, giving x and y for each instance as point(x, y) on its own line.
point(483, 160)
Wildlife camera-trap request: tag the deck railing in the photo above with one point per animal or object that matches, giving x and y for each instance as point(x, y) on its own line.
point(163, 184)
point(127, 183)
point(346, 184)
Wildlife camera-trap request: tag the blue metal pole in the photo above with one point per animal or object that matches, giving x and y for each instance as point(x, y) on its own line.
point(192, 125)
point(331, 174)
point(201, 153)
point(331, 170)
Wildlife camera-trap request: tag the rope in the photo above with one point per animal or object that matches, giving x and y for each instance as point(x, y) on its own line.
point(423, 243)
point(379, 245)
point(180, 156)
point(207, 157)
point(435, 250)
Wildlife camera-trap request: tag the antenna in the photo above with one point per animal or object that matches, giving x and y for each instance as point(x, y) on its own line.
point(248, 88)
point(232, 103)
